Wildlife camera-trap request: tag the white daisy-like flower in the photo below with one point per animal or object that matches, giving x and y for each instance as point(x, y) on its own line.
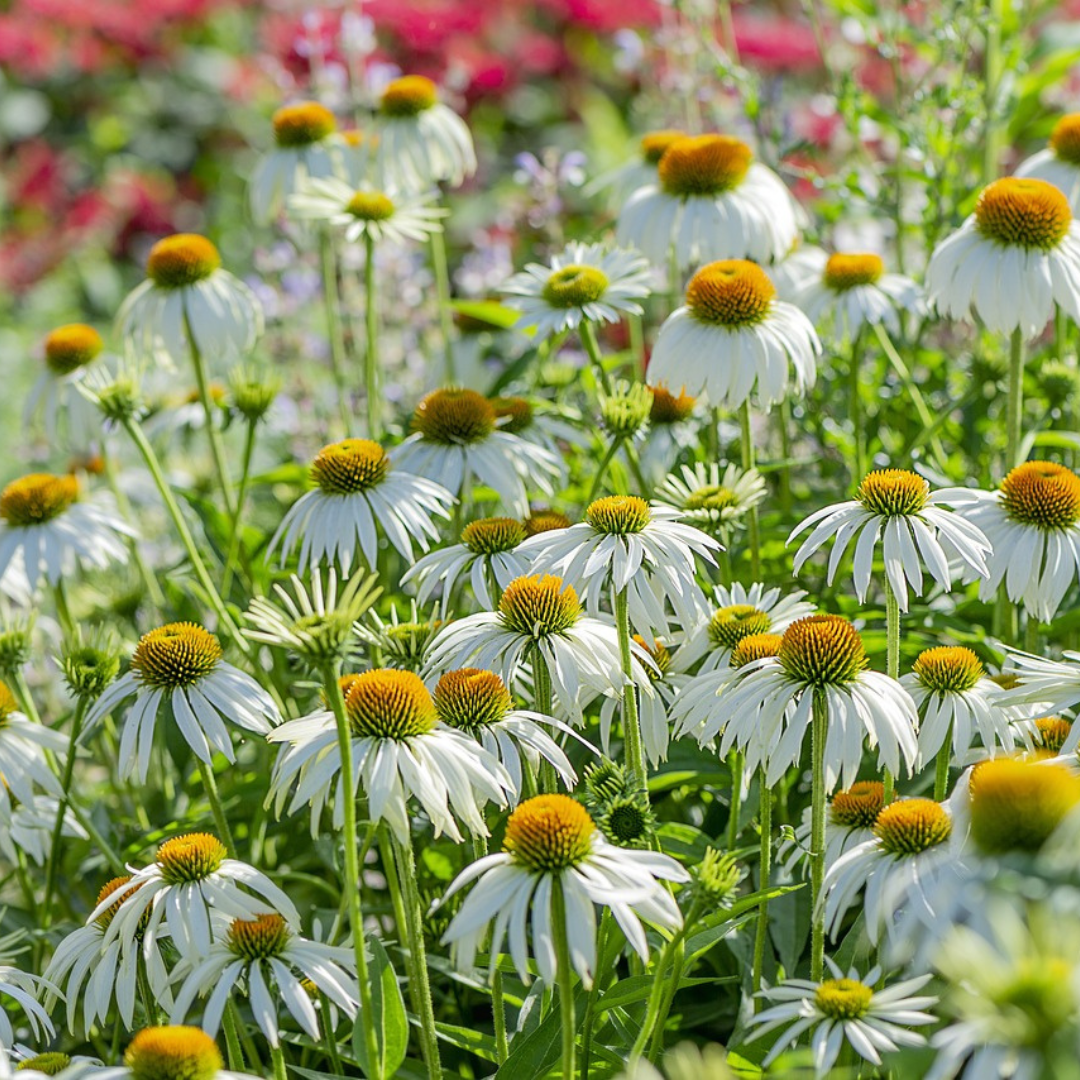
point(1033, 525)
point(307, 148)
point(399, 749)
point(421, 141)
point(767, 711)
point(626, 545)
point(93, 974)
point(582, 283)
point(24, 989)
point(48, 529)
point(797, 269)
point(157, 1053)
point(898, 868)
point(190, 876)
point(71, 351)
point(1059, 163)
point(849, 822)
point(366, 212)
point(1011, 261)
point(1040, 687)
point(357, 487)
point(457, 440)
point(957, 701)
point(188, 301)
point(1013, 995)
point(852, 291)
point(24, 750)
point(733, 336)
point(478, 703)
point(551, 844)
point(540, 616)
point(713, 497)
point(31, 1065)
point(845, 1010)
point(620, 183)
point(27, 827)
point(711, 201)
point(916, 529)
point(266, 955)
point(486, 557)
point(674, 426)
point(179, 667)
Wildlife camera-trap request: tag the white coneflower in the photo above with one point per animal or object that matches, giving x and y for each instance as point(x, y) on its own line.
point(71, 352)
point(713, 497)
point(190, 875)
point(92, 974)
point(357, 487)
point(48, 528)
point(179, 667)
point(24, 989)
point(852, 291)
point(1036, 687)
point(673, 428)
point(1059, 163)
point(421, 142)
point(539, 617)
point(366, 212)
point(626, 545)
point(486, 556)
point(582, 283)
point(168, 1053)
point(307, 147)
point(24, 754)
point(641, 170)
point(845, 1010)
point(551, 844)
point(399, 749)
point(733, 336)
point(1033, 524)
point(848, 823)
point(711, 201)
point(186, 292)
point(1011, 261)
point(266, 954)
point(27, 826)
point(914, 526)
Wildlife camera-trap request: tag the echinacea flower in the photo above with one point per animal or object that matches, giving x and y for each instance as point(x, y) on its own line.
point(1059, 163)
point(478, 703)
point(456, 440)
point(27, 826)
point(852, 291)
point(422, 142)
point(767, 711)
point(539, 617)
point(552, 844)
point(48, 528)
point(1011, 261)
point(188, 301)
point(168, 1053)
point(366, 213)
point(190, 876)
point(673, 428)
point(583, 282)
point(712, 499)
point(847, 1009)
point(24, 754)
point(271, 959)
point(627, 545)
point(711, 201)
point(179, 667)
point(1038, 686)
point(71, 351)
point(733, 336)
point(357, 487)
point(1033, 525)
point(24, 989)
point(849, 822)
point(93, 974)
point(486, 557)
point(640, 170)
point(914, 526)
point(399, 748)
point(306, 147)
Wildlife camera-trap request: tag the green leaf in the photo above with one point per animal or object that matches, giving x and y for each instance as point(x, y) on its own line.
point(476, 1042)
point(637, 988)
point(487, 311)
point(532, 1056)
point(391, 1023)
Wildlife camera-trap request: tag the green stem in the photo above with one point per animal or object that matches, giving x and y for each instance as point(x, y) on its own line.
point(217, 450)
point(63, 611)
point(232, 1038)
point(1031, 634)
point(330, 674)
point(784, 424)
point(735, 767)
point(172, 507)
point(1015, 405)
point(761, 936)
point(58, 828)
point(278, 1059)
point(414, 918)
point(441, 269)
point(660, 985)
point(746, 447)
point(371, 344)
point(213, 796)
point(565, 978)
point(598, 477)
point(892, 658)
point(386, 854)
point(588, 338)
point(635, 751)
point(147, 995)
point(233, 548)
point(637, 341)
point(544, 702)
point(858, 469)
point(594, 992)
point(329, 1035)
point(335, 332)
point(817, 834)
point(498, 1009)
point(941, 772)
point(992, 72)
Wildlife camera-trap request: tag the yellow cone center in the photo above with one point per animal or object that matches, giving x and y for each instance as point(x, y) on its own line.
point(549, 833)
point(1042, 494)
point(731, 293)
point(349, 466)
point(175, 655)
point(704, 165)
point(37, 499)
point(181, 260)
point(1023, 212)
